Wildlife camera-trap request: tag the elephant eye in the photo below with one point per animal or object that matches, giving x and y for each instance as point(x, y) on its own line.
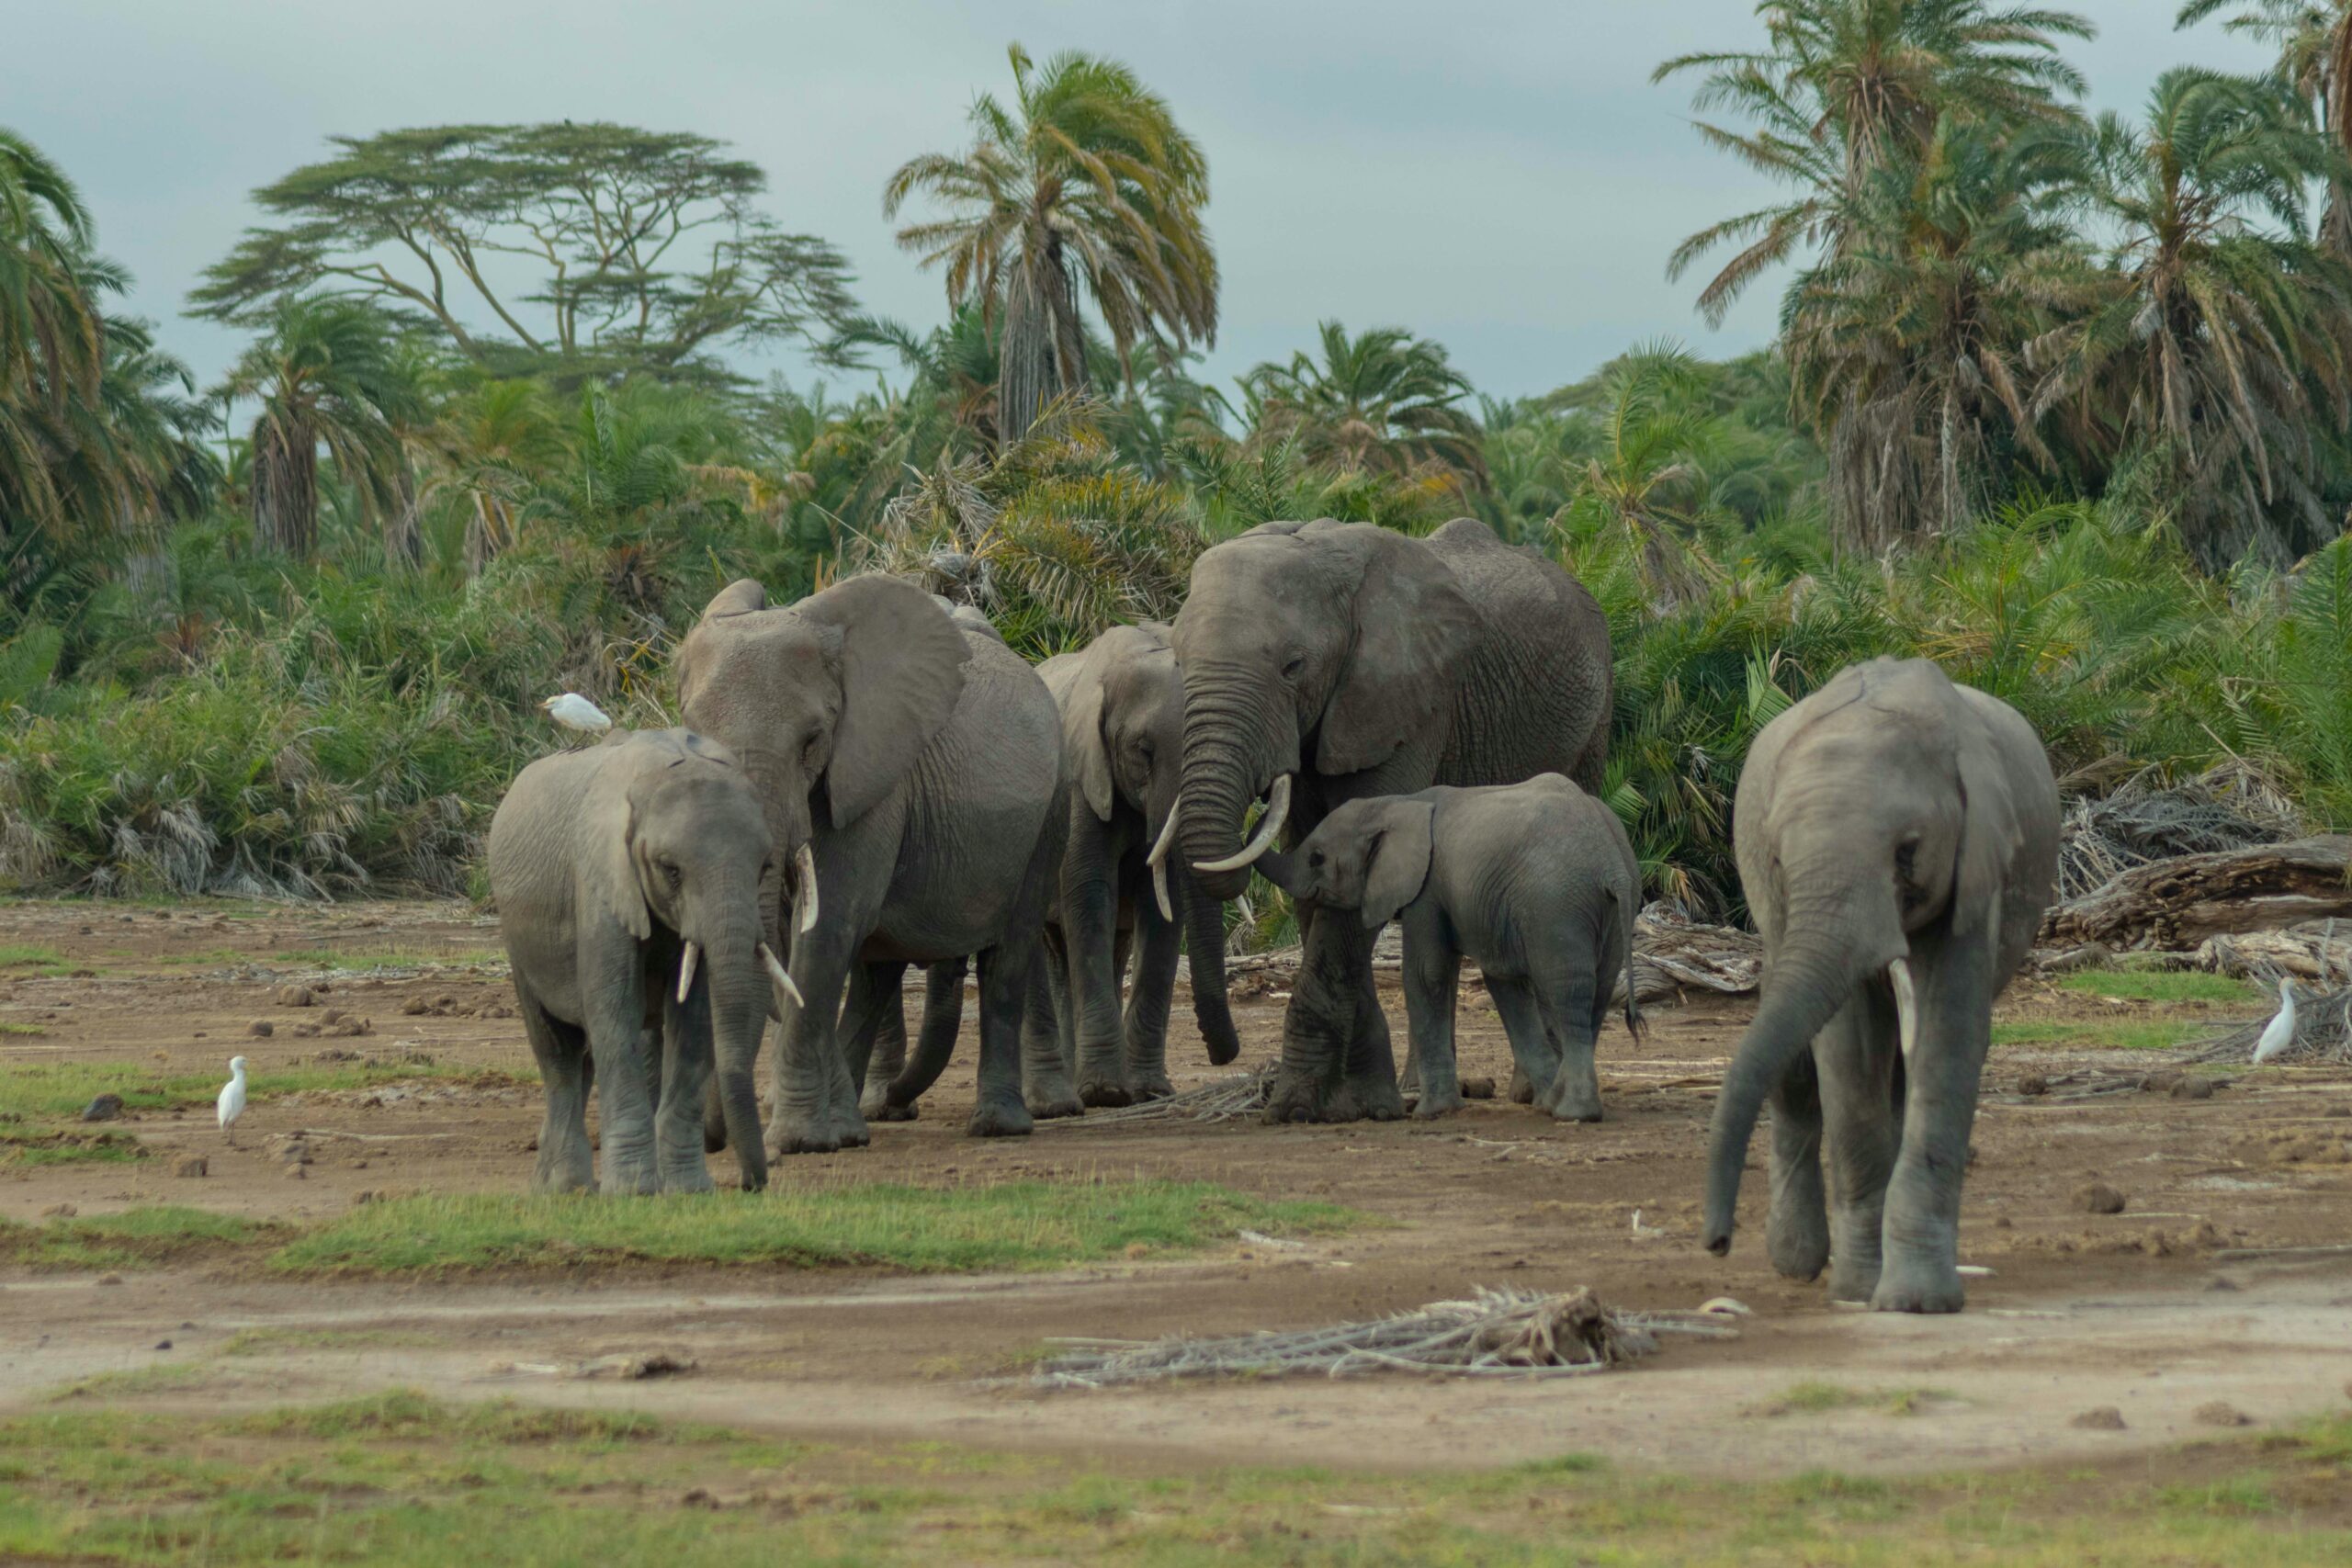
point(672, 875)
point(1293, 665)
point(1314, 858)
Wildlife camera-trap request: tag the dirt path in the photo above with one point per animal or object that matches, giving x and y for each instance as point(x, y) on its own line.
point(2148, 1311)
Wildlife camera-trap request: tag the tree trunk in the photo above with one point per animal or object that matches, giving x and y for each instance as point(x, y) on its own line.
point(285, 486)
point(2176, 904)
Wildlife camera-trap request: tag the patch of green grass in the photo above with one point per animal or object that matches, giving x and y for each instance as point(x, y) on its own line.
point(393, 958)
point(209, 955)
point(400, 1479)
point(2145, 1034)
point(1028, 1224)
point(43, 961)
point(56, 1090)
point(2159, 985)
point(1813, 1398)
point(22, 1029)
point(281, 1341)
point(19, 1147)
point(128, 1240)
point(131, 1383)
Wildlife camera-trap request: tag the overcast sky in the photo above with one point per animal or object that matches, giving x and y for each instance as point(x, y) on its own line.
point(1499, 175)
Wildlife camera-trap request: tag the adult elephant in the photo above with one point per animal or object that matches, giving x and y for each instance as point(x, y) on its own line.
point(1122, 702)
point(1897, 838)
point(912, 773)
point(1328, 662)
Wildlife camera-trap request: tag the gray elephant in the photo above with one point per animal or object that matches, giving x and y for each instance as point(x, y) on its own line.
point(1326, 662)
point(911, 772)
point(1897, 838)
point(1536, 883)
point(629, 880)
point(1122, 702)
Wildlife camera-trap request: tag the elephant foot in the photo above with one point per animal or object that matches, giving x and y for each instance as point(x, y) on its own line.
point(817, 1134)
point(1435, 1102)
point(886, 1111)
point(1149, 1083)
point(1000, 1119)
point(1371, 1097)
point(1922, 1286)
point(1293, 1097)
point(1584, 1105)
point(697, 1181)
point(1522, 1087)
point(875, 1103)
point(545, 1180)
point(1049, 1102)
point(1105, 1093)
point(1799, 1254)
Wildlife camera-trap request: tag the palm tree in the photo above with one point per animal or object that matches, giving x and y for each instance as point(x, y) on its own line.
point(52, 335)
point(2313, 39)
point(329, 372)
point(489, 445)
point(1647, 486)
point(1841, 88)
point(1383, 402)
point(1906, 347)
point(2219, 344)
point(1084, 188)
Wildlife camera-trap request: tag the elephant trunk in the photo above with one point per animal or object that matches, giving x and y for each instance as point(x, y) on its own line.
point(1229, 757)
point(1212, 1008)
point(738, 1011)
point(1828, 949)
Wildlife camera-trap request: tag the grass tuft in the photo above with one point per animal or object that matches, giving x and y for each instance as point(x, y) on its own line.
point(2159, 985)
point(129, 1239)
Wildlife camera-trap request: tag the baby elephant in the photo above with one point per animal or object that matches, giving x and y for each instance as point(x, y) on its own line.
point(628, 879)
point(1535, 880)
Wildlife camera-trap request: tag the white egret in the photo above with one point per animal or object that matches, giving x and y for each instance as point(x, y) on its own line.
point(575, 712)
point(2279, 1032)
point(232, 1098)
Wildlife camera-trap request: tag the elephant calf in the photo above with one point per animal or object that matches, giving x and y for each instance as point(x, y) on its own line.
point(619, 870)
point(1897, 837)
point(1537, 882)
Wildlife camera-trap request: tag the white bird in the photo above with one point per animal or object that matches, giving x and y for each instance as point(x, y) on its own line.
point(232, 1097)
point(2279, 1032)
point(575, 712)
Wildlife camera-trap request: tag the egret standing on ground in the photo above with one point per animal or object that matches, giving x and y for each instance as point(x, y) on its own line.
point(2279, 1032)
point(575, 712)
point(232, 1098)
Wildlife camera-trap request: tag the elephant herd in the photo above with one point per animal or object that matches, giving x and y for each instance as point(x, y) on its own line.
point(868, 779)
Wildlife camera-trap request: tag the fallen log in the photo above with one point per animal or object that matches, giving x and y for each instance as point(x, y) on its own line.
point(2178, 904)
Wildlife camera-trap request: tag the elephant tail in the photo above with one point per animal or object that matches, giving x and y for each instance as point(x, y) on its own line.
point(1633, 1024)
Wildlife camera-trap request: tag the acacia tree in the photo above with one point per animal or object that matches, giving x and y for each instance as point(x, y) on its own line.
point(587, 249)
point(1085, 187)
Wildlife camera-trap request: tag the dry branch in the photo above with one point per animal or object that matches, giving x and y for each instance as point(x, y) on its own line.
point(1495, 1333)
point(2178, 904)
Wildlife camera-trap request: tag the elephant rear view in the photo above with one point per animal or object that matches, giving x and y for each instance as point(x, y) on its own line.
point(1897, 838)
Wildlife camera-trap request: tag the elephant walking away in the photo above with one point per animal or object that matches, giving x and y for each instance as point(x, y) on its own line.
point(1122, 702)
point(1897, 838)
point(1325, 662)
point(1535, 882)
point(631, 879)
point(914, 769)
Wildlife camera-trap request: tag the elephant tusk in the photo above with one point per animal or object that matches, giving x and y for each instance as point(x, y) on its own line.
point(1166, 834)
point(1277, 813)
point(686, 972)
point(783, 981)
point(805, 889)
point(1907, 1004)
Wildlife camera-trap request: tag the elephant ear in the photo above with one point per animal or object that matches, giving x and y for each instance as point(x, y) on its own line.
point(1414, 626)
point(1083, 738)
point(606, 872)
point(901, 664)
point(741, 597)
point(1400, 862)
point(1989, 835)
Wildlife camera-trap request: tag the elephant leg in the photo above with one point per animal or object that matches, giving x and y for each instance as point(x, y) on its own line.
point(942, 1017)
point(566, 1163)
point(887, 1058)
point(1796, 1235)
point(1432, 985)
point(1565, 999)
point(1857, 1056)
point(999, 1112)
point(1955, 986)
point(1102, 1056)
point(1158, 943)
point(687, 1064)
point(1336, 1063)
point(1046, 1086)
point(613, 982)
point(816, 1102)
point(1533, 1053)
point(876, 1002)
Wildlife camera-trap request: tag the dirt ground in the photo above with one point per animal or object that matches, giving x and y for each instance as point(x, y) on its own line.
point(2155, 1311)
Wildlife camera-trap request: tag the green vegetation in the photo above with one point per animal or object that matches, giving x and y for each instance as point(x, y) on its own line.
point(1013, 1225)
point(2063, 403)
point(1814, 1398)
point(399, 1477)
point(392, 958)
point(2160, 986)
point(57, 1091)
point(134, 1238)
point(2119, 1035)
